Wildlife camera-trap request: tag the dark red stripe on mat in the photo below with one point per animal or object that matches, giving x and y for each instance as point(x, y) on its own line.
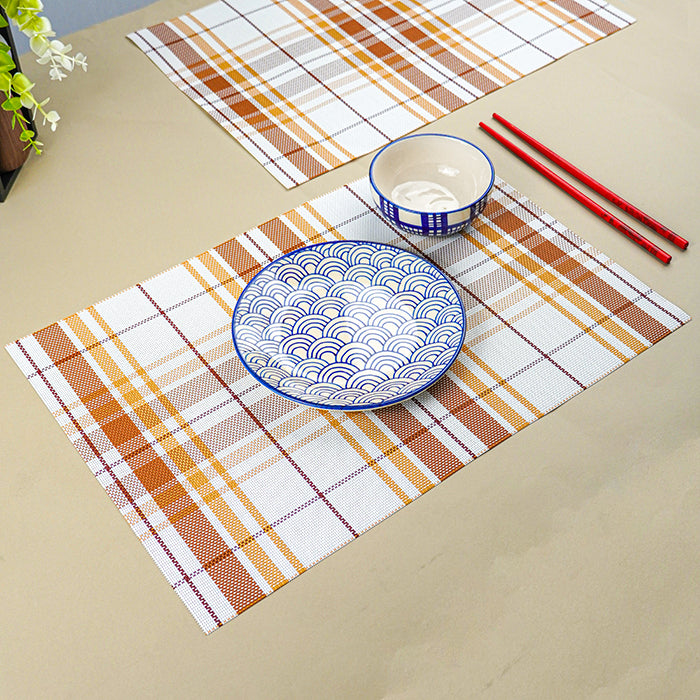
point(586, 15)
point(579, 275)
point(90, 389)
point(249, 413)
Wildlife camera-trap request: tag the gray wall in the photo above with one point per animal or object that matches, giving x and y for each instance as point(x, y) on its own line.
point(70, 15)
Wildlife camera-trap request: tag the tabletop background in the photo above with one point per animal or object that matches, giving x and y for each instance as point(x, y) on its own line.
point(562, 563)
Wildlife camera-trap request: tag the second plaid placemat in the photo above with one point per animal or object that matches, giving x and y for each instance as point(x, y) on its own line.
point(234, 490)
point(307, 85)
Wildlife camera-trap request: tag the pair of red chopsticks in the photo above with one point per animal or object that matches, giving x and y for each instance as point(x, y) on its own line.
point(593, 184)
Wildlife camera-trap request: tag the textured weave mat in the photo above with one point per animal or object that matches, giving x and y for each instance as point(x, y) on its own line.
point(234, 490)
point(307, 85)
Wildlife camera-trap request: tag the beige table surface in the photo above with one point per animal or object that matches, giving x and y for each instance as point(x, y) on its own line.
point(564, 563)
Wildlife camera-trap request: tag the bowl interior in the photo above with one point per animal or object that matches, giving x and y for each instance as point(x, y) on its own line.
point(431, 172)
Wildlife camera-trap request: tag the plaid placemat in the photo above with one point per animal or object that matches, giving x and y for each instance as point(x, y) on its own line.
point(307, 85)
point(234, 490)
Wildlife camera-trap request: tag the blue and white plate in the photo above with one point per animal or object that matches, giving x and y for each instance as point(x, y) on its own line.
point(348, 325)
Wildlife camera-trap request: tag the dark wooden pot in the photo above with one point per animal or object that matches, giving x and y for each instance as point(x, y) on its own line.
point(12, 153)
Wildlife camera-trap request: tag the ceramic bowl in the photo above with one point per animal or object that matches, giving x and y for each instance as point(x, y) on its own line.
point(431, 184)
point(348, 325)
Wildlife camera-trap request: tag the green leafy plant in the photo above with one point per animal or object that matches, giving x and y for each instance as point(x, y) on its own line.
point(14, 85)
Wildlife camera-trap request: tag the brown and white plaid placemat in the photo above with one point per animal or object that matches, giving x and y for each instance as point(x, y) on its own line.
point(234, 490)
point(307, 85)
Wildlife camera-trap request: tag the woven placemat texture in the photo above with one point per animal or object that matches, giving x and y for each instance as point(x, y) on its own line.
point(234, 490)
point(307, 85)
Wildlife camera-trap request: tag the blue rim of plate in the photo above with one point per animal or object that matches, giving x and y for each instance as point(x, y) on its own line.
point(418, 211)
point(368, 407)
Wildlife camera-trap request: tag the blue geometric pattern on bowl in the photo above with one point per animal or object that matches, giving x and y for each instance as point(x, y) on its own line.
point(441, 223)
point(429, 224)
point(349, 325)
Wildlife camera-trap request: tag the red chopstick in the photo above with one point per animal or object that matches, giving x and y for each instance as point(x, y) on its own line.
point(595, 185)
point(580, 196)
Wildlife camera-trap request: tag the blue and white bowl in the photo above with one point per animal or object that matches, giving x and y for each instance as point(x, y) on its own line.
point(431, 184)
point(348, 325)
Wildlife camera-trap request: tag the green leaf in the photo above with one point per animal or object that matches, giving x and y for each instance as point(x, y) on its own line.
point(6, 62)
point(20, 83)
point(12, 104)
point(3, 22)
point(31, 5)
point(41, 25)
point(26, 135)
point(35, 145)
point(11, 8)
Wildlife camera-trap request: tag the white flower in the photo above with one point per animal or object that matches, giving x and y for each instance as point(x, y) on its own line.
point(52, 118)
point(56, 74)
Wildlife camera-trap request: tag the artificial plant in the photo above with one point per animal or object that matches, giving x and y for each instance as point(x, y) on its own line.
point(16, 89)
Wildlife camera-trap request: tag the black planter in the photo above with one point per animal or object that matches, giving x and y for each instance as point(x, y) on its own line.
point(7, 179)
